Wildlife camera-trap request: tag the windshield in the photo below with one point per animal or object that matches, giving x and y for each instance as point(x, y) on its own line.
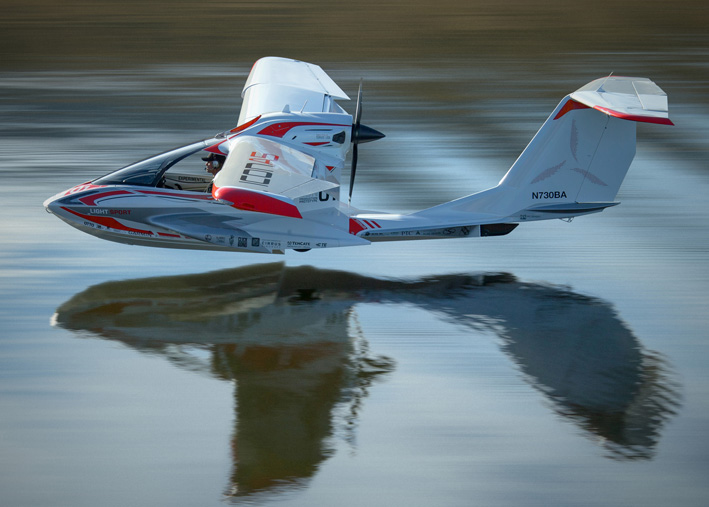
point(149, 172)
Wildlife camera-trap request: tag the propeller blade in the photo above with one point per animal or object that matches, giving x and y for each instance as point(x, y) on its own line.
point(353, 171)
point(358, 112)
point(356, 120)
point(360, 134)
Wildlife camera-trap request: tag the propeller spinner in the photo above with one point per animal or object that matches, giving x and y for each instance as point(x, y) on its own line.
point(360, 134)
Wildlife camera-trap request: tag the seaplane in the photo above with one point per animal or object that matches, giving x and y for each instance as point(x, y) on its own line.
point(274, 182)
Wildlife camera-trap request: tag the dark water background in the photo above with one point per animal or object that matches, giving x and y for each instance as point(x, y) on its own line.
point(563, 364)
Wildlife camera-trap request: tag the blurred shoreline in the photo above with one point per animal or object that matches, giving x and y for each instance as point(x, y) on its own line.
point(114, 34)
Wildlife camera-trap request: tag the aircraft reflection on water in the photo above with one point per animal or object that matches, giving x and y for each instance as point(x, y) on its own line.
point(286, 336)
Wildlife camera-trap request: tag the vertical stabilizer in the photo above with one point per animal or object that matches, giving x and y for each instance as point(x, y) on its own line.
point(578, 159)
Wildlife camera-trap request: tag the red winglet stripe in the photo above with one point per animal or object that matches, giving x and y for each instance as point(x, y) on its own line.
point(570, 105)
point(259, 202)
point(90, 200)
point(317, 144)
point(107, 222)
point(634, 117)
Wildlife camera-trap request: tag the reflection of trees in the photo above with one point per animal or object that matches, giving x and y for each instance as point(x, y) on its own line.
point(285, 335)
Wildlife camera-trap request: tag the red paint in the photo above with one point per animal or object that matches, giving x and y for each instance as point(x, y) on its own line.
point(317, 144)
point(330, 167)
point(82, 188)
point(246, 125)
point(107, 222)
point(168, 235)
point(356, 226)
point(280, 129)
point(633, 117)
point(215, 148)
point(90, 200)
point(570, 105)
point(258, 202)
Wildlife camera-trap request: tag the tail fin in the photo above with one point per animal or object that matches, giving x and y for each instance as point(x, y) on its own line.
point(577, 161)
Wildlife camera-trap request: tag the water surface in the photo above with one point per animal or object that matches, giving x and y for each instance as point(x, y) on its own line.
point(562, 364)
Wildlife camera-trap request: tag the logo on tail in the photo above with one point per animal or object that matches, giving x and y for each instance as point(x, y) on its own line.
point(573, 145)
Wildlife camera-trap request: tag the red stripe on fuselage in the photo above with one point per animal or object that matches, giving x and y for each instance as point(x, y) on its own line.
point(280, 129)
point(356, 226)
point(109, 222)
point(90, 200)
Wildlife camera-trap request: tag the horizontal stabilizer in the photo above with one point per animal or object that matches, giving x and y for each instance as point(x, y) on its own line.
point(628, 98)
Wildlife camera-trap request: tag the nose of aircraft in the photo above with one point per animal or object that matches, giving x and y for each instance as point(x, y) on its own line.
point(51, 204)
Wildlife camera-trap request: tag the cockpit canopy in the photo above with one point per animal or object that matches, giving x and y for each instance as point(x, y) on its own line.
point(151, 172)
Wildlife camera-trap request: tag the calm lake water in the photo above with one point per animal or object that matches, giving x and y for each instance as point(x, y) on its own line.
point(564, 364)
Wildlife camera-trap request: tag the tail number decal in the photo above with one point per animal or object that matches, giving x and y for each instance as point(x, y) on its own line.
point(549, 195)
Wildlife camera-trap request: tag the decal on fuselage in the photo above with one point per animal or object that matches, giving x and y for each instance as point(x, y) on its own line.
point(555, 194)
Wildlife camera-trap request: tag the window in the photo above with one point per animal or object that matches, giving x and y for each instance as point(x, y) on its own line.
point(149, 172)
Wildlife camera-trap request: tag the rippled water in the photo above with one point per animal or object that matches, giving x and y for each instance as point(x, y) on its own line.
point(562, 364)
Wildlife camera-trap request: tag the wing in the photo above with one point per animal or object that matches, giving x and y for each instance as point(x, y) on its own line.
point(280, 84)
point(262, 165)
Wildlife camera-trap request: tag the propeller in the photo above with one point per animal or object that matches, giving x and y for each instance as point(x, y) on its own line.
point(360, 134)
